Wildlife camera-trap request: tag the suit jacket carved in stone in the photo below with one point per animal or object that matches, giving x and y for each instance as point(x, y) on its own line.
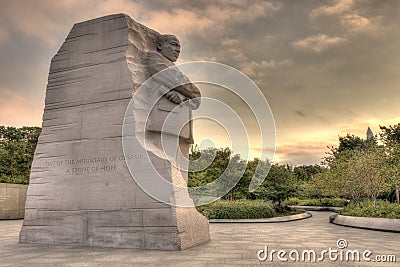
point(167, 80)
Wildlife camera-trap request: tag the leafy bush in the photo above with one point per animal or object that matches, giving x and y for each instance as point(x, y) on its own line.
point(325, 202)
point(384, 209)
point(280, 184)
point(17, 146)
point(242, 209)
point(15, 180)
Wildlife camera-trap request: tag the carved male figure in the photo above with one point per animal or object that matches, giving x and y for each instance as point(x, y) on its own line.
point(168, 50)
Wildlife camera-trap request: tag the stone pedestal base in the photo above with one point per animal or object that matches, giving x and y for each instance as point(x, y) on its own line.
point(165, 228)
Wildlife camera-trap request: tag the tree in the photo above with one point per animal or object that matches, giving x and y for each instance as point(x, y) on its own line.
point(390, 136)
point(358, 171)
point(279, 185)
point(17, 147)
point(321, 185)
point(207, 165)
point(307, 172)
point(371, 165)
point(352, 142)
point(343, 172)
point(213, 171)
point(240, 190)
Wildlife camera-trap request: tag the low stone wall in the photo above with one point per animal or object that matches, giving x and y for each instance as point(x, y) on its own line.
point(289, 218)
point(12, 201)
point(381, 224)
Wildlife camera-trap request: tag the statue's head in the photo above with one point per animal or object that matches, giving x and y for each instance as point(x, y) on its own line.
point(168, 45)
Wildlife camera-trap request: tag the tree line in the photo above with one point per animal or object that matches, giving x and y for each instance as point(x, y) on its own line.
point(356, 169)
point(282, 181)
point(362, 168)
point(17, 146)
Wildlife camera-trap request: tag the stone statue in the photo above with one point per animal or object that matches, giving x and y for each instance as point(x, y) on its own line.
point(168, 50)
point(81, 189)
point(187, 96)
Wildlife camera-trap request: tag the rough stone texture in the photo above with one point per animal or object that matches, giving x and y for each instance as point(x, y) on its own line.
point(80, 189)
point(12, 201)
point(390, 225)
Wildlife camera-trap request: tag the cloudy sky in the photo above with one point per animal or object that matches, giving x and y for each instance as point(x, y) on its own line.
point(327, 68)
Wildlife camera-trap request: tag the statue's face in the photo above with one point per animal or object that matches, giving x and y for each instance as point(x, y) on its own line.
point(170, 49)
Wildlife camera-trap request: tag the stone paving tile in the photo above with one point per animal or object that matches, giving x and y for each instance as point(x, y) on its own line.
point(233, 244)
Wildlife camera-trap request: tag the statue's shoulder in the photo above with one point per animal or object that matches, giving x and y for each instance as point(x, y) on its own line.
point(155, 61)
point(154, 55)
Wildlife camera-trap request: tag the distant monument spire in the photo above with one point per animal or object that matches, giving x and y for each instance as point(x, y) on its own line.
point(370, 134)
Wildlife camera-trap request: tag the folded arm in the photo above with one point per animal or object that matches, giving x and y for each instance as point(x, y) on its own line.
point(170, 76)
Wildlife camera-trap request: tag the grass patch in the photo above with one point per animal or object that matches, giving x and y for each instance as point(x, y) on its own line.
point(240, 209)
point(325, 202)
point(384, 209)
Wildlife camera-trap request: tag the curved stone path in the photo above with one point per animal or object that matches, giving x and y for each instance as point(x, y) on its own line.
point(233, 244)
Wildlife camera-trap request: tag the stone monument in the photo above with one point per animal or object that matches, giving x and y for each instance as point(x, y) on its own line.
point(81, 190)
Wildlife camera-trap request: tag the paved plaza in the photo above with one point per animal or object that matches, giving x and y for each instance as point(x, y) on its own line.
point(233, 244)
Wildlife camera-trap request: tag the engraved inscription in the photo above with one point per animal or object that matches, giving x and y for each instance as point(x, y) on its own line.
point(101, 164)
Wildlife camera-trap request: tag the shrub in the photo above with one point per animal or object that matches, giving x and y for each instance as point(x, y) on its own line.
point(16, 180)
point(384, 209)
point(17, 147)
point(292, 201)
point(325, 202)
point(241, 209)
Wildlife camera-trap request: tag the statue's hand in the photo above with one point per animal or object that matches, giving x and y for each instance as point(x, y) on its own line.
point(173, 97)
